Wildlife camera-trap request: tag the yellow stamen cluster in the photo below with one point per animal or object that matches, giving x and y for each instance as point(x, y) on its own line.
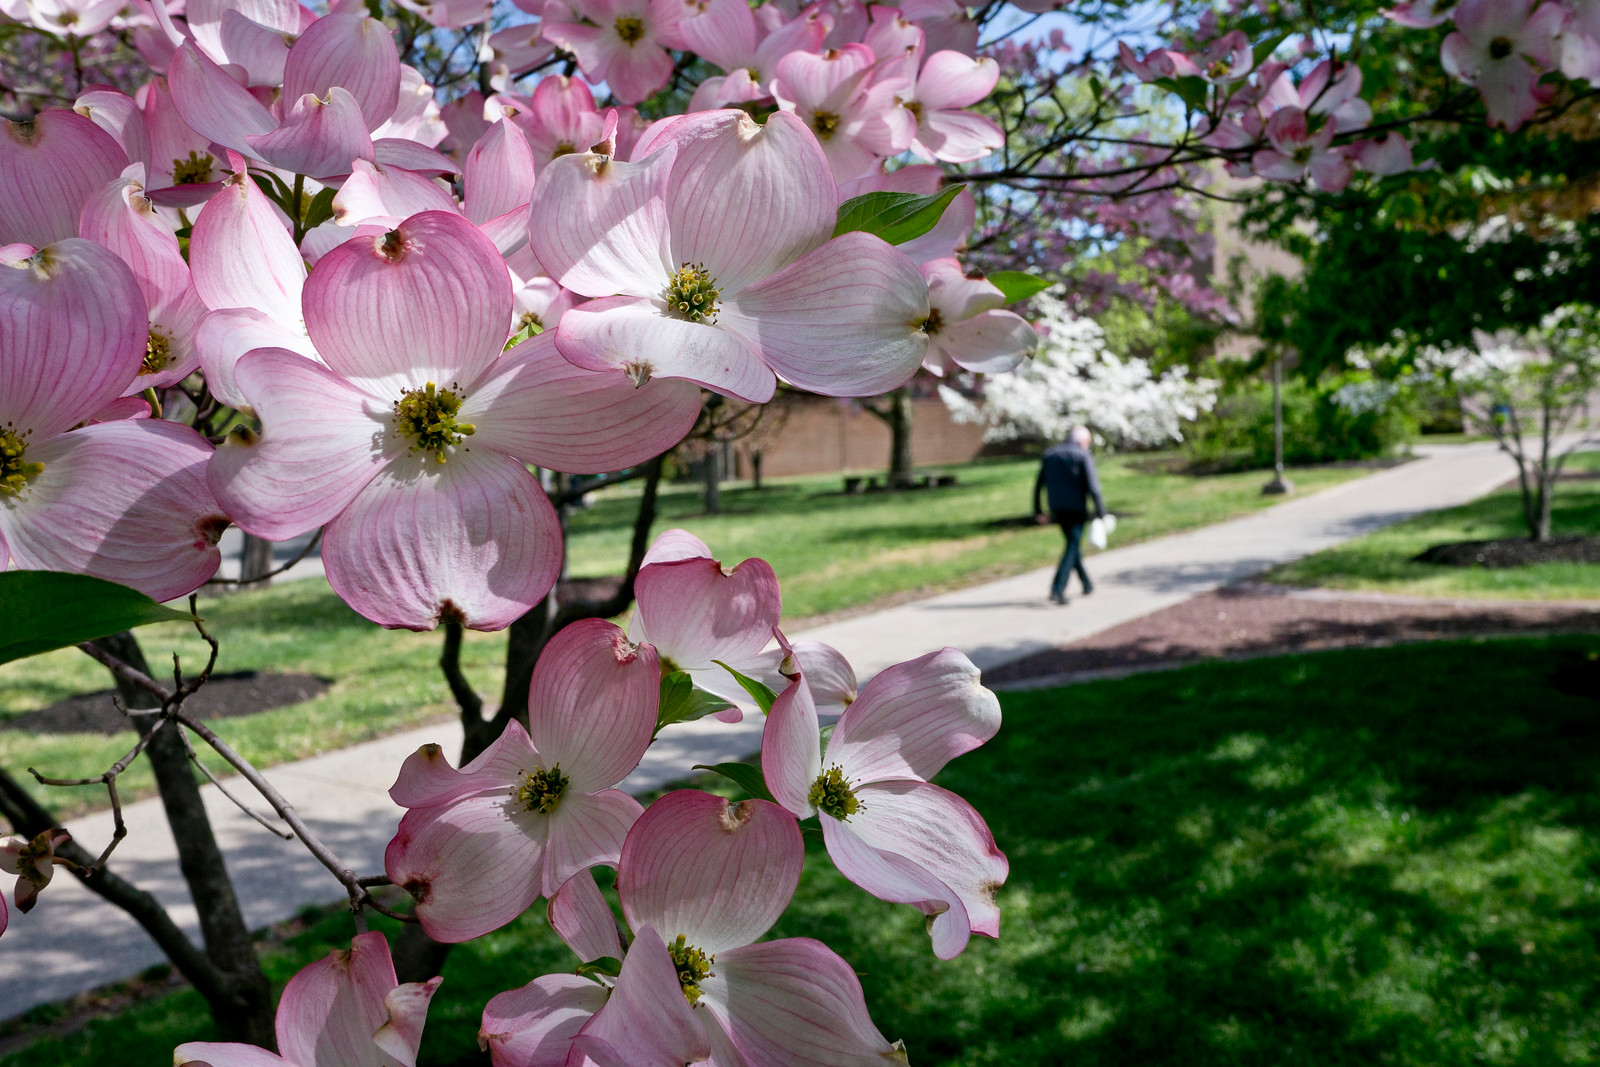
point(823, 123)
point(692, 293)
point(630, 29)
point(427, 417)
point(196, 170)
point(832, 794)
point(693, 965)
point(933, 323)
point(541, 789)
point(157, 353)
point(15, 471)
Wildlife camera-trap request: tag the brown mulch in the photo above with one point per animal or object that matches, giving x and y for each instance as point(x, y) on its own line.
point(1512, 552)
point(1260, 619)
point(225, 696)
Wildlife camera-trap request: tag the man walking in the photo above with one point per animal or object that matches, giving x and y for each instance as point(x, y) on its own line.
point(1068, 474)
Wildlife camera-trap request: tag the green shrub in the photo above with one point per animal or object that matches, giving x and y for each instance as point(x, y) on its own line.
point(1344, 417)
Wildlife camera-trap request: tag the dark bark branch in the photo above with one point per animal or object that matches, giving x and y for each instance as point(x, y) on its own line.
point(468, 701)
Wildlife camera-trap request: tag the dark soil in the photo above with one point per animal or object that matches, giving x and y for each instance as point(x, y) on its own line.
point(1257, 619)
point(1512, 552)
point(225, 696)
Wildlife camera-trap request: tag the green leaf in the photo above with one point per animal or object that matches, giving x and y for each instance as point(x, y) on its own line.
point(533, 329)
point(272, 187)
point(320, 209)
point(896, 217)
point(606, 965)
point(763, 696)
point(742, 775)
point(1018, 284)
point(46, 610)
point(681, 701)
point(1266, 46)
point(1191, 88)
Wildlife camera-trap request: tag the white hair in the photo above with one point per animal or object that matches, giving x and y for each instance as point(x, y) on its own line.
point(1081, 436)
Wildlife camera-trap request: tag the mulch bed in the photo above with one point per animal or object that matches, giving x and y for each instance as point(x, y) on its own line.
point(1512, 552)
point(1259, 619)
point(225, 696)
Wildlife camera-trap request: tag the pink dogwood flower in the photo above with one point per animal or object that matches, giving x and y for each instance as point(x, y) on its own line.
point(967, 327)
point(887, 828)
point(347, 1010)
point(938, 97)
point(125, 500)
point(620, 42)
point(480, 844)
point(1500, 46)
point(848, 104)
point(716, 286)
point(558, 119)
point(747, 46)
point(33, 861)
point(50, 166)
point(1301, 146)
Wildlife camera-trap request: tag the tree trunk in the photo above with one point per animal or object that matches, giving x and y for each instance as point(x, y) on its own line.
point(901, 468)
point(255, 558)
point(712, 472)
point(243, 1010)
point(755, 470)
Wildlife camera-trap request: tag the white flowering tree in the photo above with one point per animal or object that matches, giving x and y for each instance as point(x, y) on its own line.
point(1075, 379)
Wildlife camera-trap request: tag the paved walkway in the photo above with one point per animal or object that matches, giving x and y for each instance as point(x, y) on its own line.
point(73, 942)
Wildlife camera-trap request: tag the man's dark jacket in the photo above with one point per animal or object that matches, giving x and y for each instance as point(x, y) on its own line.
point(1068, 475)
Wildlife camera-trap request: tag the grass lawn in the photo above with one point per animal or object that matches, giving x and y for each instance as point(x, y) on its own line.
point(830, 551)
point(1363, 857)
point(1381, 561)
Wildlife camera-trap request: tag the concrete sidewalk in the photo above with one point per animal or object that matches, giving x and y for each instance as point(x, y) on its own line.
point(72, 942)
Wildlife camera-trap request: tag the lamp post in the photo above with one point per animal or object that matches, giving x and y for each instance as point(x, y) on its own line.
point(1279, 484)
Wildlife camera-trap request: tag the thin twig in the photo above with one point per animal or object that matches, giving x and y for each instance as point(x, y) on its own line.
point(311, 545)
point(194, 757)
point(109, 780)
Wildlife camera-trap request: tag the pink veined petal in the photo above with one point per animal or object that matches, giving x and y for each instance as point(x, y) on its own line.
point(225, 336)
point(354, 52)
point(322, 440)
point(330, 1009)
point(844, 320)
point(409, 155)
point(498, 175)
point(913, 718)
point(387, 195)
point(121, 218)
point(675, 544)
point(1332, 171)
point(647, 1022)
point(599, 226)
point(205, 16)
point(214, 105)
point(958, 136)
point(1484, 20)
point(695, 613)
point(829, 676)
point(719, 874)
point(808, 79)
point(957, 296)
point(898, 880)
point(125, 501)
point(586, 830)
point(746, 200)
point(535, 405)
point(636, 73)
point(580, 916)
point(534, 1026)
point(1507, 88)
point(260, 50)
point(791, 751)
point(952, 80)
point(992, 342)
point(941, 833)
point(219, 1054)
point(49, 167)
point(794, 1003)
point(592, 704)
point(428, 302)
point(1277, 166)
point(242, 257)
point(73, 331)
point(407, 1006)
point(427, 778)
point(119, 115)
point(722, 31)
point(639, 338)
point(176, 319)
point(319, 138)
point(472, 865)
point(473, 541)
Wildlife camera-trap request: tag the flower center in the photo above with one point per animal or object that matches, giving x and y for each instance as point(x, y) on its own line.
point(1302, 155)
point(1500, 48)
point(630, 29)
point(563, 149)
point(933, 323)
point(1219, 69)
point(693, 965)
point(832, 794)
point(427, 416)
point(196, 170)
point(692, 293)
point(157, 353)
point(824, 123)
point(541, 790)
point(15, 472)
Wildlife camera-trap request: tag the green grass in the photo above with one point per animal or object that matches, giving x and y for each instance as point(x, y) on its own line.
point(1381, 561)
point(834, 552)
point(1371, 857)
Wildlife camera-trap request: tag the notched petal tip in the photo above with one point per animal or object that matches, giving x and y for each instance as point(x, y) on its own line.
point(733, 817)
point(450, 612)
point(392, 246)
point(638, 372)
point(209, 530)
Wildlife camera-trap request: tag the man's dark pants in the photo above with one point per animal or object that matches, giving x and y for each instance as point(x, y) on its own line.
point(1071, 523)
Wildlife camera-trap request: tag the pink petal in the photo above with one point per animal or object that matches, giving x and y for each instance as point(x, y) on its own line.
point(913, 718)
point(592, 704)
point(957, 296)
point(319, 138)
point(217, 1054)
point(1332, 171)
point(809, 79)
point(829, 676)
point(225, 336)
point(242, 257)
point(353, 52)
point(472, 865)
point(498, 176)
point(794, 1003)
point(409, 155)
point(387, 195)
point(542, 409)
point(1508, 91)
point(72, 335)
point(49, 167)
point(992, 342)
point(722, 31)
point(599, 226)
point(746, 200)
point(791, 750)
point(695, 613)
point(428, 302)
point(586, 830)
point(120, 218)
point(473, 541)
point(647, 1022)
point(636, 73)
point(330, 1009)
point(958, 136)
point(125, 501)
point(427, 778)
point(322, 440)
point(534, 1026)
point(213, 104)
point(894, 878)
point(580, 916)
point(675, 544)
point(119, 115)
point(844, 320)
point(952, 80)
point(407, 1005)
point(718, 874)
point(636, 336)
point(260, 50)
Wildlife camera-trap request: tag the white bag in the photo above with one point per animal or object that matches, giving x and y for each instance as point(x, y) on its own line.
point(1100, 529)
